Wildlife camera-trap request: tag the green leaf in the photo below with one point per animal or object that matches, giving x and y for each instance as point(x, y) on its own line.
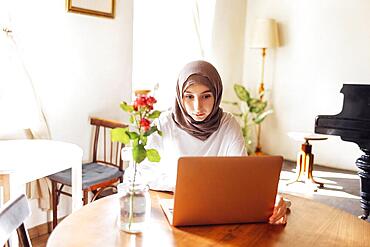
point(241, 92)
point(256, 105)
point(120, 135)
point(136, 142)
point(127, 108)
point(154, 115)
point(150, 131)
point(133, 135)
point(139, 153)
point(143, 139)
point(153, 155)
point(132, 119)
point(260, 117)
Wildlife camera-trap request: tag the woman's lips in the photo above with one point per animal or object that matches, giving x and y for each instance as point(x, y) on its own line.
point(199, 114)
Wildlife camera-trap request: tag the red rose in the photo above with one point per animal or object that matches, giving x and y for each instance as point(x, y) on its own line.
point(151, 100)
point(141, 101)
point(144, 102)
point(135, 106)
point(145, 124)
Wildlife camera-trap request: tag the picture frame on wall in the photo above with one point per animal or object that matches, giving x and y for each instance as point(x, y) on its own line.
point(105, 8)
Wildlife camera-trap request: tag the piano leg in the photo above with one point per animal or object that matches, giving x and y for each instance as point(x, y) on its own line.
point(363, 163)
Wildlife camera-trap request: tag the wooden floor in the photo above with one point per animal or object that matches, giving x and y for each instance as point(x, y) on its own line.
point(341, 191)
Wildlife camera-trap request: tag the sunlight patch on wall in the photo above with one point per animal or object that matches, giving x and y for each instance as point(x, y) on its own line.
point(165, 39)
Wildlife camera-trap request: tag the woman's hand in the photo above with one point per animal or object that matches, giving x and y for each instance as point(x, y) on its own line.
point(279, 214)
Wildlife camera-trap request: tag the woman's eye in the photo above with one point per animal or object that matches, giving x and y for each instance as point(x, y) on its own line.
point(207, 96)
point(189, 96)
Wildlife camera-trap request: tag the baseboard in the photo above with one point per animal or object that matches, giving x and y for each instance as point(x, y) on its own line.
point(42, 229)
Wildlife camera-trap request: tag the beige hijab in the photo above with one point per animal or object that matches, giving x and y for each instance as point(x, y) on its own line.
point(205, 73)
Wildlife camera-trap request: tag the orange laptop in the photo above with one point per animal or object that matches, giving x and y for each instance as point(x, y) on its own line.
point(223, 190)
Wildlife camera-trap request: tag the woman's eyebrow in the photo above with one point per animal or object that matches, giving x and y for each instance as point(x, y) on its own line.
point(207, 91)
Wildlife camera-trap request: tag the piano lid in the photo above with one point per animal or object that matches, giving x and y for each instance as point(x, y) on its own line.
point(353, 122)
point(356, 104)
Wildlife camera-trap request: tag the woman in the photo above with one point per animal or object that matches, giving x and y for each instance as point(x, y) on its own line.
point(197, 126)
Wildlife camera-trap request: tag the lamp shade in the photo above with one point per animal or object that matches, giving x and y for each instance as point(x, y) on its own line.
point(265, 34)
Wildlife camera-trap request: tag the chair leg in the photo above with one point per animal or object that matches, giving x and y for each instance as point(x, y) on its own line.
point(54, 203)
point(309, 172)
point(113, 187)
point(299, 169)
point(86, 196)
point(24, 239)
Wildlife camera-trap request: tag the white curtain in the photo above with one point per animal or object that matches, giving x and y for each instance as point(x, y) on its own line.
point(19, 106)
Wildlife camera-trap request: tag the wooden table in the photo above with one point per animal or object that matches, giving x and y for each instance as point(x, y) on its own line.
point(23, 161)
point(309, 224)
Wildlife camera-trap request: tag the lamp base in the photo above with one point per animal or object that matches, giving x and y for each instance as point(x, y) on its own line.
point(258, 151)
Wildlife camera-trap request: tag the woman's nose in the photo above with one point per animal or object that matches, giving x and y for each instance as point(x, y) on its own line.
point(197, 104)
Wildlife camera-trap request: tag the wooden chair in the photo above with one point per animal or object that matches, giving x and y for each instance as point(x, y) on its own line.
point(98, 175)
point(12, 216)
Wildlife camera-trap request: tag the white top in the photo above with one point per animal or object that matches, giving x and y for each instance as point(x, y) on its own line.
point(175, 142)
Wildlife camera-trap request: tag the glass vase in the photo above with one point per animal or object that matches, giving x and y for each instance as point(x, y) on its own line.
point(135, 203)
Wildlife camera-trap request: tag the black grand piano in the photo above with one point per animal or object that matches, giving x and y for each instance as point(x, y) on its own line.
point(353, 125)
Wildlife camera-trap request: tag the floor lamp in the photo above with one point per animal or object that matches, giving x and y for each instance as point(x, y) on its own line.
point(265, 36)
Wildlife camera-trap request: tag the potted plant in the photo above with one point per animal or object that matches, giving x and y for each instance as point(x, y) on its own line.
point(252, 112)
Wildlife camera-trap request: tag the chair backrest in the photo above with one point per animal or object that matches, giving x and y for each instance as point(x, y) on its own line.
point(110, 153)
point(12, 215)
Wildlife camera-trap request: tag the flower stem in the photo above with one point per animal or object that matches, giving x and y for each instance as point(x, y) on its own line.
point(132, 194)
point(131, 215)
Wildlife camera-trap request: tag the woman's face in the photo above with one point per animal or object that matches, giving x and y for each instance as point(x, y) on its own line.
point(198, 101)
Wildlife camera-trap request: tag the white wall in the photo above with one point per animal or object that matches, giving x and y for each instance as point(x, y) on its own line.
point(80, 65)
point(228, 43)
point(324, 44)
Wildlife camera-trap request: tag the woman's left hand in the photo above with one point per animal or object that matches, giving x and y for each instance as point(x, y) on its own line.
point(279, 214)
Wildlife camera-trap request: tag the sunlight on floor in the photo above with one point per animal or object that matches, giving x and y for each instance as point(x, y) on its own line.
point(330, 189)
point(321, 174)
point(335, 175)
